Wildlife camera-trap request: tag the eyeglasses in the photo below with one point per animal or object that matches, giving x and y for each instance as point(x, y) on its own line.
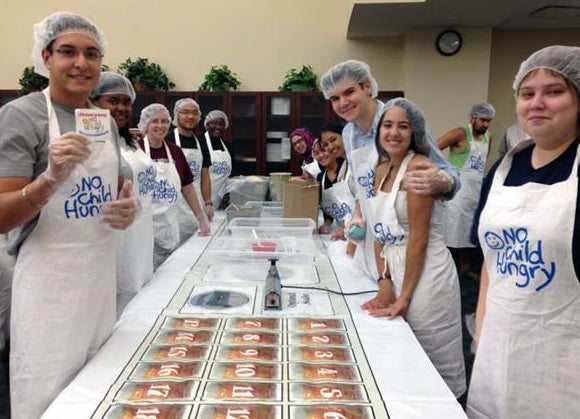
point(187, 113)
point(90, 54)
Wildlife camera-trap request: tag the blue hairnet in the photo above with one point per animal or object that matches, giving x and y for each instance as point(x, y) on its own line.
point(111, 83)
point(485, 110)
point(182, 102)
point(216, 115)
point(421, 137)
point(56, 25)
point(562, 59)
point(149, 112)
point(354, 70)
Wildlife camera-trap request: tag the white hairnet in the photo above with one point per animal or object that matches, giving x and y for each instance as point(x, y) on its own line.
point(56, 25)
point(421, 139)
point(354, 70)
point(149, 112)
point(111, 83)
point(484, 109)
point(216, 115)
point(182, 102)
point(562, 59)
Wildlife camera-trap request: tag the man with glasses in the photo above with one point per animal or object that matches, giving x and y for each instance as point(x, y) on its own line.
point(186, 117)
point(61, 196)
point(468, 152)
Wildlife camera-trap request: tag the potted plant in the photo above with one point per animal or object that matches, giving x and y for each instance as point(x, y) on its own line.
point(145, 75)
point(300, 81)
point(31, 82)
point(220, 78)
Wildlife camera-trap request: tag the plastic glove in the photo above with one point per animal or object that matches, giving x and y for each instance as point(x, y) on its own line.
point(121, 213)
point(209, 212)
point(65, 153)
point(204, 229)
point(427, 179)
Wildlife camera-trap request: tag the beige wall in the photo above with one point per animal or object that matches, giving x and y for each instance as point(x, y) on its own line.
point(258, 39)
point(261, 39)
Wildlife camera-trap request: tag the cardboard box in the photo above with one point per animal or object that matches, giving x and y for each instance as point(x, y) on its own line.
point(301, 199)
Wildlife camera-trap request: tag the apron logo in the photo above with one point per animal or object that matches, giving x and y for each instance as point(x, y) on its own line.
point(161, 190)
point(518, 256)
point(194, 167)
point(220, 167)
point(384, 235)
point(366, 181)
point(338, 211)
point(87, 197)
point(146, 179)
point(476, 163)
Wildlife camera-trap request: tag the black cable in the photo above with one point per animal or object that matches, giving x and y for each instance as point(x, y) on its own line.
point(327, 290)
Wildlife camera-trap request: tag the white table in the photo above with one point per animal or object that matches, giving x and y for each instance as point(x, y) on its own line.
point(408, 382)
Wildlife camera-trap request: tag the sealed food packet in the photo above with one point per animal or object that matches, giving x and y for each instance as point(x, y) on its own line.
point(325, 372)
point(327, 392)
point(166, 370)
point(318, 354)
point(253, 323)
point(240, 412)
point(190, 323)
point(149, 411)
point(239, 390)
point(246, 371)
point(319, 339)
point(251, 338)
point(186, 337)
point(157, 391)
point(93, 123)
point(313, 325)
point(252, 353)
point(331, 411)
point(176, 352)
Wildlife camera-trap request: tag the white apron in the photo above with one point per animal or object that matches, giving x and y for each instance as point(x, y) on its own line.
point(63, 295)
point(6, 270)
point(219, 171)
point(187, 222)
point(364, 162)
point(135, 244)
point(337, 201)
point(312, 168)
point(164, 198)
point(528, 359)
point(434, 313)
point(459, 211)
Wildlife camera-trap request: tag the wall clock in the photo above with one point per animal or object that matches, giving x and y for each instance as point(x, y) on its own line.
point(448, 42)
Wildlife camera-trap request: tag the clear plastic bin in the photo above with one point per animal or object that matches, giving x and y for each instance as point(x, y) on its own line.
point(241, 259)
point(243, 211)
point(265, 228)
point(270, 209)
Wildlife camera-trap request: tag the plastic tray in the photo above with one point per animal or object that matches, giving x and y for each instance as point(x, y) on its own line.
point(243, 211)
point(270, 209)
point(235, 259)
point(269, 228)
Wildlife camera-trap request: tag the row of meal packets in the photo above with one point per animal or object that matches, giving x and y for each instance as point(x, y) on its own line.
point(245, 365)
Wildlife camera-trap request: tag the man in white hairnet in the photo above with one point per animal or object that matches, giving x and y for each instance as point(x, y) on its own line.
point(352, 91)
point(61, 197)
point(469, 148)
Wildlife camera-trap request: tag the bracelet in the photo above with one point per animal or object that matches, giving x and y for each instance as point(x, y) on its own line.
point(28, 200)
point(208, 203)
point(384, 276)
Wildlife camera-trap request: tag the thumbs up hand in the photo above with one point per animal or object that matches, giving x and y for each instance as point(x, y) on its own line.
point(121, 213)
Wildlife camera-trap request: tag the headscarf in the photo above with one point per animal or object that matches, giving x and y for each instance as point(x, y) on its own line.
point(308, 138)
